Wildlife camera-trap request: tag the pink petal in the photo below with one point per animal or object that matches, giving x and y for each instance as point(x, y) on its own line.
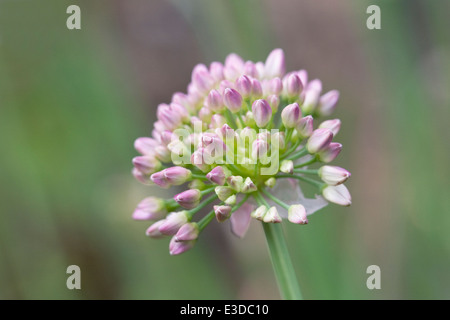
point(240, 220)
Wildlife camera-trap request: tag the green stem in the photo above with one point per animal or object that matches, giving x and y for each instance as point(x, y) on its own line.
point(191, 212)
point(308, 171)
point(292, 148)
point(241, 120)
point(313, 160)
point(275, 199)
point(206, 220)
point(311, 181)
point(230, 119)
point(206, 191)
point(281, 261)
point(279, 255)
point(198, 176)
point(302, 152)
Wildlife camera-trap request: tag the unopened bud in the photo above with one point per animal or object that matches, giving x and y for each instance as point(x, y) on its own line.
point(262, 113)
point(222, 212)
point(173, 222)
point(291, 115)
point(337, 194)
point(319, 140)
point(189, 199)
point(333, 175)
point(272, 216)
point(188, 231)
point(287, 166)
point(259, 213)
point(150, 208)
point(297, 214)
point(330, 153)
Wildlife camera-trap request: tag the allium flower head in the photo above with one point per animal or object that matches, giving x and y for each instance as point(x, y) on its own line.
point(242, 141)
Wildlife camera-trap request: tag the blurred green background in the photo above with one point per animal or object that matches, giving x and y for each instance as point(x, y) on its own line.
point(72, 103)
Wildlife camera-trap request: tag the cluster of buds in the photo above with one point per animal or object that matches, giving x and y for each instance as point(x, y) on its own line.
point(240, 128)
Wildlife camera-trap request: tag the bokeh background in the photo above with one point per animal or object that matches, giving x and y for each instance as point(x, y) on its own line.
point(72, 103)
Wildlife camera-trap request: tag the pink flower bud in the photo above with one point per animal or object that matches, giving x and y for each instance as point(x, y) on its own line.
point(226, 132)
point(145, 146)
point(263, 135)
point(303, 75)
point(293, 85)
point(173, 223)
point(333, 175)
point(222, 213)
point(305, 127)
point(153, 230)
point(158, 128)
point(146, 164)
point(232, 100)
point(214, 101)
point(334, 125)
point(244, 86)
point(225, 84)
point(143, 178)
point(188, 231)
point(328, 102)
point(257, 90)
point(162, 153)
point(275, 86)
point(291, 115)
point(337, 194)
point(272, 216)
point(287, 166)
point(278, 138)
point(274, 102)
point(159, 179)
point(217, 176)
point(166, 137)
point(262, 112)
point(259, 149)
point(181, 111)
point(310, 100)
point(331, 152)
point(177, 175)
point(201, 78)
point(200, 159)
point(250, 69)
point(319, 140)
point(168, 117)
point(275, 64)
point(179, 247)
point(315, 85)
point(182, 99)
point(216, 71)
point(234, 61)
point(150, 208)
point(189, 199)
point(217, 121)
point(297, 214)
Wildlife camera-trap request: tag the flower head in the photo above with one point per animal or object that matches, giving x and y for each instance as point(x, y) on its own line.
point(242, 139)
